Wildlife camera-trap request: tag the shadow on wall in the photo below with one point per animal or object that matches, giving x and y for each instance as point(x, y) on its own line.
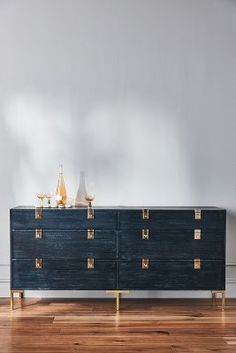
point(39, 135)
point(129, 151)
point(230, 234)
point(8, 166)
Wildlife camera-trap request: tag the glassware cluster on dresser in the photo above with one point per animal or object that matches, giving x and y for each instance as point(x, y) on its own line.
point(60, 197)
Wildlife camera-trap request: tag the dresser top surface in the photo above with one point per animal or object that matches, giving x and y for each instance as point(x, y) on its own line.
point(126, 208)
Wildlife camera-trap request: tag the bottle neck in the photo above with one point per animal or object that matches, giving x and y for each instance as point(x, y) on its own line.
point(82, 177)
point(60, 169)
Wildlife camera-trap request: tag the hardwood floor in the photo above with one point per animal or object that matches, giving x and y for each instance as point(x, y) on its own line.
point(89, 326)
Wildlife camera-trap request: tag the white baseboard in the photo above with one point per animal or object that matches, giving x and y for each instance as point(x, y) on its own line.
point(230, 292)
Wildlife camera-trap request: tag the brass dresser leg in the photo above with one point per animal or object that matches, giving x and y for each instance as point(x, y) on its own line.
point(117, 301)
point(117, 293)
point(223, 300)
point(11, 300)
point(20, 292)
point(214, 295)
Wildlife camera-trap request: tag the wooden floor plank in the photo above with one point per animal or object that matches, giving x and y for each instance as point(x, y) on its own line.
point(93, 326)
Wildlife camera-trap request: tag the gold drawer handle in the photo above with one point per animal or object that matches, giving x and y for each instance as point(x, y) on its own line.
point(38, 263)
point(198, 213)
point(90, 234)
point(38, 213)
point(145, 234)
point(90, 213)
point(146, 213)
point(197, 264)
point(197, 234)
point(145, 264)
point(38, 233)
point(90, 264)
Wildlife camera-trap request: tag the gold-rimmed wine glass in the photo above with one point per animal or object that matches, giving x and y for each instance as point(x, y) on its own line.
point(90, 198)
point(90, 194)
point(41, 197)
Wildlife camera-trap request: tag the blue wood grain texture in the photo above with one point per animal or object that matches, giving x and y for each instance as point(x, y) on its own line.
point(64, 274)
point(68, 244)
point(118, 249)
point(63, 219)
point(173, 243)
point(172, 275)
point(172, 219)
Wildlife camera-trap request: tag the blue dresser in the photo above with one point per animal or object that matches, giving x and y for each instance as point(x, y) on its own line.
point(118, 249)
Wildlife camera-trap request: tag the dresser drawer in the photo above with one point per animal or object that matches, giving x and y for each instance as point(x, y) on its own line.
point(172, 219)
point(63, 274)
point(63, 219)
point(172, 243)
point(77, 244)
point(172, 275)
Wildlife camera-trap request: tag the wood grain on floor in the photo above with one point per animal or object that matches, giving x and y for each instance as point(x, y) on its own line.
point(163, 326)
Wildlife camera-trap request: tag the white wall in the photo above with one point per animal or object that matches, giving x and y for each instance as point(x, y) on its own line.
point(139, 93)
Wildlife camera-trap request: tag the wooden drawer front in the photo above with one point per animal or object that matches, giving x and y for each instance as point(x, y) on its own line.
point(63, 219)
point(64, 244)
point(172, 275)
point(172, 219)
point(63, 275)
point(171, 244)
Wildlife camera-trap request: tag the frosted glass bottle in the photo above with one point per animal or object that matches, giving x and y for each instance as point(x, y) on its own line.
point(61, 194)
point(80, 199)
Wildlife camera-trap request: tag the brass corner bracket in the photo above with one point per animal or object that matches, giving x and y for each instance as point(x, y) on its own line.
point(198, 213)
point(90, 213)
point(38, 213)
point(146, 213)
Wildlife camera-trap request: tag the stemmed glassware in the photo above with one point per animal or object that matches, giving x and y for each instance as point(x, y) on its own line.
point(41, 197)
point(59, 198)
point(90, 194)
point(45, 195)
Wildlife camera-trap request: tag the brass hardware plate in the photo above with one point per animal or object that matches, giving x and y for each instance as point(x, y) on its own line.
point(90, 213)
point(145, 234)
point(197, 264)
point(90, 234)
point(146, 213)
point(90, 263)
point(38, 213)
point(38, 263)
point(145, 264)
point(197, 234)
point(38, 233)
point(198, 213)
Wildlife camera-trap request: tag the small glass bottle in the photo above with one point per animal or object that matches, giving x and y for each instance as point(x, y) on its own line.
point(61, 195)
